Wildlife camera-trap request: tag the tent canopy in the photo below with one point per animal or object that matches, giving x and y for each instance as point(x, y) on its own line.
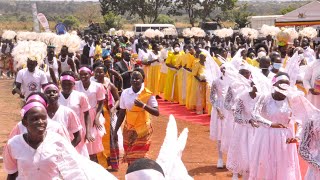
point(307, 15)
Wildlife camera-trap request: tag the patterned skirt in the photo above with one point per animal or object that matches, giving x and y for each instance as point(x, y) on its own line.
point(134, 147)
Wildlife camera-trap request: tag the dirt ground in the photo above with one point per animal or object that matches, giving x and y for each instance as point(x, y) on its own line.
point(199, 155)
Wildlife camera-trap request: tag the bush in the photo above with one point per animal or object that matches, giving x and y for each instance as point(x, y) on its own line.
point(23, 19)
point(71, 22)
point(112, 21)
point(164, 19)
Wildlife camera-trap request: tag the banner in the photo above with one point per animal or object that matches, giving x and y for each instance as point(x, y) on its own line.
point(43, 21)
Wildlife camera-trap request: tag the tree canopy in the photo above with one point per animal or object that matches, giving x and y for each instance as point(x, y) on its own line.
point(148, 11)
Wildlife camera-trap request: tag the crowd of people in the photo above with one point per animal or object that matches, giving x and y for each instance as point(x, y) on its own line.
point(95, 94)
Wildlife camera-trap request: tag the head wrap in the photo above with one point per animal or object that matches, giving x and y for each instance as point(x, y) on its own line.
point(67, 78)
point(27, 107)
point(51, 86)
point(85, 69)
point(244, 67)
point(37, 98)
point(279, 78)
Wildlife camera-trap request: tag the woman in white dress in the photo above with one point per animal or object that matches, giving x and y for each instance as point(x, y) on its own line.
point(274, 153)
point(311, 77)
point(217, 96)
point(241, 140)
point(309, 148)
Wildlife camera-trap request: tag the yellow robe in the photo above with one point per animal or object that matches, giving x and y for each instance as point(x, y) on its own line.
point(199, 88)
point(171, 92)
point(181, 62)
point(193, 90)
point(191, 60)
point(162, 80)
point(98, 52)
point(154, 78)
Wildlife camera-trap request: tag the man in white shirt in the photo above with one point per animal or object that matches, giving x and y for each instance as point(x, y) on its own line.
point(29, 80)
point(308, 53)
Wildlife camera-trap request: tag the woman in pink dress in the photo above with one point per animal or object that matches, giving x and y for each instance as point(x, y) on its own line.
point(52, 126)
point(79, 103)
point(274, 152)
point(96, 95)
point(40, 155)
point(62, 114)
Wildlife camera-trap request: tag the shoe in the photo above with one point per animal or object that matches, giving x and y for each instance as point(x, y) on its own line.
point(220, 164)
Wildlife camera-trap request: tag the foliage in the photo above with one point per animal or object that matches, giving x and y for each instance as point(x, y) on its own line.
point(200, 9)
point(23, 18)
point(189, 6)
point(287, 9)
point(112, 20)
point(91, 12)
point(117, 7)
point(164, 19)
point(209, 5)
point(148, 11)
point(239, 15)
point(71, 22)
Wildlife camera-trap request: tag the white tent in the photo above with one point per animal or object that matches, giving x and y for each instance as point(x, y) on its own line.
point(307, 15)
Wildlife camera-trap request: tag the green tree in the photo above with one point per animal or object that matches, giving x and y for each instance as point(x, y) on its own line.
point(71, 22)
point(188, 6)
point(147, 10)
point(288, 9)
point(210, 5)
point(239, 15)
point(112, 21)
point(118, 7)
point(164, 19)
point(200, 9)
